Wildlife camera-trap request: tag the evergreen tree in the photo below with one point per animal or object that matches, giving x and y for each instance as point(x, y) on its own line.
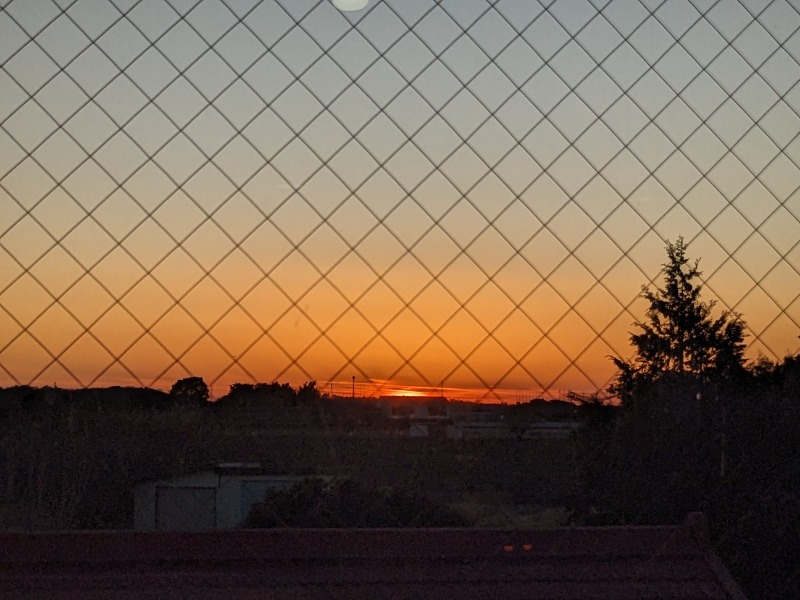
point(680, 335)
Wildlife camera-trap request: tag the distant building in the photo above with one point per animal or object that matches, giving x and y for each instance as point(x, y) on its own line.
point(499, 429)
point(415, 416)
point(430, 417)
point(416, 407)
point(477, 429)
point(217, 498)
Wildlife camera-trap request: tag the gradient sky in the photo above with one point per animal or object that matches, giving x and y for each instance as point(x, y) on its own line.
point(457, 193)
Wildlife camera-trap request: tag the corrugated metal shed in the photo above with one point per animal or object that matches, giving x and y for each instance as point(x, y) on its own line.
point(575, 563)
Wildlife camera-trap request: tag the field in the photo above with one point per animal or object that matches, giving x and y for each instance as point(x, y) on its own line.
point(68, 465)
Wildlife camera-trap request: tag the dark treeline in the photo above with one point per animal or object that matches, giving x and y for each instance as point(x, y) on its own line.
point(190, 392)
point(276, 402)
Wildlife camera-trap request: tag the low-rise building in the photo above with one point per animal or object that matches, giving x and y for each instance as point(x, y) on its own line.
point(406, 407)
point(219, 497)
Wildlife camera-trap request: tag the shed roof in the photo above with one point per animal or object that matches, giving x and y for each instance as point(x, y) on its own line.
point(576, 563)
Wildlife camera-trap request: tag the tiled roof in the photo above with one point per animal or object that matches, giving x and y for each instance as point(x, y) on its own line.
point(575, 563)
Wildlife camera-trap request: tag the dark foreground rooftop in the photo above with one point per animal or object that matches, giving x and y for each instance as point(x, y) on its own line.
point(576, 563)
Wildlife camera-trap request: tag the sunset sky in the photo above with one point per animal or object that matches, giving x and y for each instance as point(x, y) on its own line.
point(458, 194)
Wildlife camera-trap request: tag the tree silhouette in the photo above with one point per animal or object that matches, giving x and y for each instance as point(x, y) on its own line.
point(680, 335)
point(308, 392)
point(190, 390)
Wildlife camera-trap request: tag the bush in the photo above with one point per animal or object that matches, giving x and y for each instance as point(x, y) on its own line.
point(348, 503)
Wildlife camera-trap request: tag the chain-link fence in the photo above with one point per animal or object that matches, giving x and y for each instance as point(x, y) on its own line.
point(450, 193)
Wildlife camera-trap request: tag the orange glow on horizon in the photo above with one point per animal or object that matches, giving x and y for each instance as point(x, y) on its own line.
point(484, 351)
point(406, 393)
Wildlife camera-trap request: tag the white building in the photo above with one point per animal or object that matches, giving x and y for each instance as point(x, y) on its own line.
point(217, 498)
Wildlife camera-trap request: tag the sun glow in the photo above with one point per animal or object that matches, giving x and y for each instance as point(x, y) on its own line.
point(409, 393)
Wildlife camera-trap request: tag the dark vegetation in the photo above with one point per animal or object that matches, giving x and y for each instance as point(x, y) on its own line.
point(349, 503)
point(733, 453)
point(693, 427)
point(69, 459)
point(698, 429)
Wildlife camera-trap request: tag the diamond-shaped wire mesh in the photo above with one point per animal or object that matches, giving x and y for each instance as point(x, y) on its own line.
point(465, 194)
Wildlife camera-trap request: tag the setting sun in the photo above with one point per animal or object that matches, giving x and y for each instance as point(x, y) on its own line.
point(410, 393)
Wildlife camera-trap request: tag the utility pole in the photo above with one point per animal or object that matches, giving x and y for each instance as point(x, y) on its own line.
point(354, 386)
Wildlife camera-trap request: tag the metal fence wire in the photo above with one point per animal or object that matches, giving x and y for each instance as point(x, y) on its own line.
point(451, 193)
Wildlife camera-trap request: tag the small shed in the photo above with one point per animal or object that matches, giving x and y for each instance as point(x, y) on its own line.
point(219, 497)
